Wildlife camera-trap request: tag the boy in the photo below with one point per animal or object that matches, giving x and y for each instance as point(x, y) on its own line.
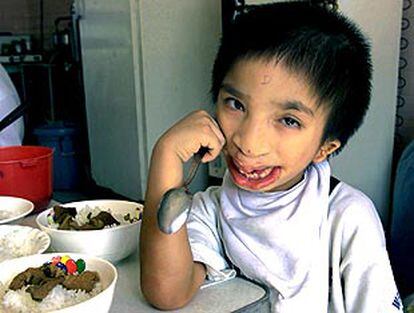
point(292, 83)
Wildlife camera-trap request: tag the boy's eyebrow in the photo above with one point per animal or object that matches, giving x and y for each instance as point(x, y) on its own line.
point(296, 105)
point(231, 90)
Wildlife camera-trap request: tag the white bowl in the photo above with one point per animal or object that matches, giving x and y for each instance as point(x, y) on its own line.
point(112, 244)
point(107, 273)
point(17, 241)
point(12, 209)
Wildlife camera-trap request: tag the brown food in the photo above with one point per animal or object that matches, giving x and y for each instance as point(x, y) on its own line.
point(40, 291)
point(85, 281)
point(65, 218)
point(30, 276)
point(62, 213)
point(41, 280)
point(106, 218)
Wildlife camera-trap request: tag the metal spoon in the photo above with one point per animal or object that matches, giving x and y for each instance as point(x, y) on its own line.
point(176, 203)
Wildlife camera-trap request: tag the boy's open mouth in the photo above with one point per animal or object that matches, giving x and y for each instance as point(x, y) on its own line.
point(256, 174)
point(253, 178)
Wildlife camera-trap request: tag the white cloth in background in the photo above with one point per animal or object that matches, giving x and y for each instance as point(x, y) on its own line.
point(292, 240)
point(9, 100)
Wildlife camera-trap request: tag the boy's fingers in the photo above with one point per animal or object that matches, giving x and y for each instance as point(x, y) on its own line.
point(204, 132)
point(209, 157)
point(216, 142)
point(217, 131)
point(215, 147)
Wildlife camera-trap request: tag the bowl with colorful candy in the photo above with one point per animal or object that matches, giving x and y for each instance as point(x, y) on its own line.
point(105, 228)
point(65, 283)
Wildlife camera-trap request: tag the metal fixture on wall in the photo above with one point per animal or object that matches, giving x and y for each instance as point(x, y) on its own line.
point(232, 9)
point(402, 82)
point(329, 4)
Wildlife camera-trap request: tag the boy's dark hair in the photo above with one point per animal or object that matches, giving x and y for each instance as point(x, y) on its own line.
point(318, 43)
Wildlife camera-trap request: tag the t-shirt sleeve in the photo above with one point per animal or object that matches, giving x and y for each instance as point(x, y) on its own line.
point(367, 278)
point(204, 238)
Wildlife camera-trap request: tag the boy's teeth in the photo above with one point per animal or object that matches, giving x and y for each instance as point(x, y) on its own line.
point(265, 172)
point(243, 172)
point(256, 175)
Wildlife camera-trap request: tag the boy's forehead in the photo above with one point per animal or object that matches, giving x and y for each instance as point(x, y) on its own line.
point(264, 70)
point(267, 71)
point(263, 73)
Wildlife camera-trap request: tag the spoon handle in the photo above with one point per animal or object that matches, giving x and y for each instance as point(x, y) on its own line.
point(194, 165)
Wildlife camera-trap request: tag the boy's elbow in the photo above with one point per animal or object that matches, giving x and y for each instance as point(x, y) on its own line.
point(164, 297)
point(166, 302)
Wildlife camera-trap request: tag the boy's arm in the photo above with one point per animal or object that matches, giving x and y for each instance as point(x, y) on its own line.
point(366, 273)
point(169, 277)
point(370, 287)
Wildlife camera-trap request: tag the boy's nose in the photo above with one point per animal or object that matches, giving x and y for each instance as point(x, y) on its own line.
point(251, 139)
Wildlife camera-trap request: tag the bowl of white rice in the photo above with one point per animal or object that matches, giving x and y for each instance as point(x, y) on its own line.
point(17, 241)
point(59, 299)
point(112, 243)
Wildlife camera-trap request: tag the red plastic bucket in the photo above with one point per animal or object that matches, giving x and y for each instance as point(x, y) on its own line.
point(26, 172)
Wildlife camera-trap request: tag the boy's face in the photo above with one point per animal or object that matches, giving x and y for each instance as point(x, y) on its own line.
point(272, 124)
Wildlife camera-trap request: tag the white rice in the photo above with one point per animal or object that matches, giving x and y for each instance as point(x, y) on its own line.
point(18, 243)
point(20, 301)
point(4, 215)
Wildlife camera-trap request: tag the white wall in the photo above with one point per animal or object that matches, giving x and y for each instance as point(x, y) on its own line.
point(366, 161)
point(179, 43)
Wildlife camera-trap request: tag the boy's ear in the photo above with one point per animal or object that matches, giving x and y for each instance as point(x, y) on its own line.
point(329, 147)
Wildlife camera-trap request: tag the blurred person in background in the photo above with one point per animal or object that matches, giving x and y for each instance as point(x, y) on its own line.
point(12, 135)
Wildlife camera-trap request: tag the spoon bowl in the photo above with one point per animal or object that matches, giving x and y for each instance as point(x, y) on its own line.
point(176, 203)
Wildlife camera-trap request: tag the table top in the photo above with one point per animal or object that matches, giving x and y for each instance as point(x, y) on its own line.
point(236, 294)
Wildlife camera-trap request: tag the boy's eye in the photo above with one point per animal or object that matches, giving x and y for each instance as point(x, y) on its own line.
point(290, 122)
point(234, 104)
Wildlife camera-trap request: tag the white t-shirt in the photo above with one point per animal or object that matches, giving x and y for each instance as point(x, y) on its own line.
point(343, 266)
point(9, 100)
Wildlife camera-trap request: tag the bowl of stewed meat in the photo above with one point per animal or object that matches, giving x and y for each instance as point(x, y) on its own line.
point(104, 228)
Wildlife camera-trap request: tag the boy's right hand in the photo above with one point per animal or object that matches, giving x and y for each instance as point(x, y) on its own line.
point(197, 129)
